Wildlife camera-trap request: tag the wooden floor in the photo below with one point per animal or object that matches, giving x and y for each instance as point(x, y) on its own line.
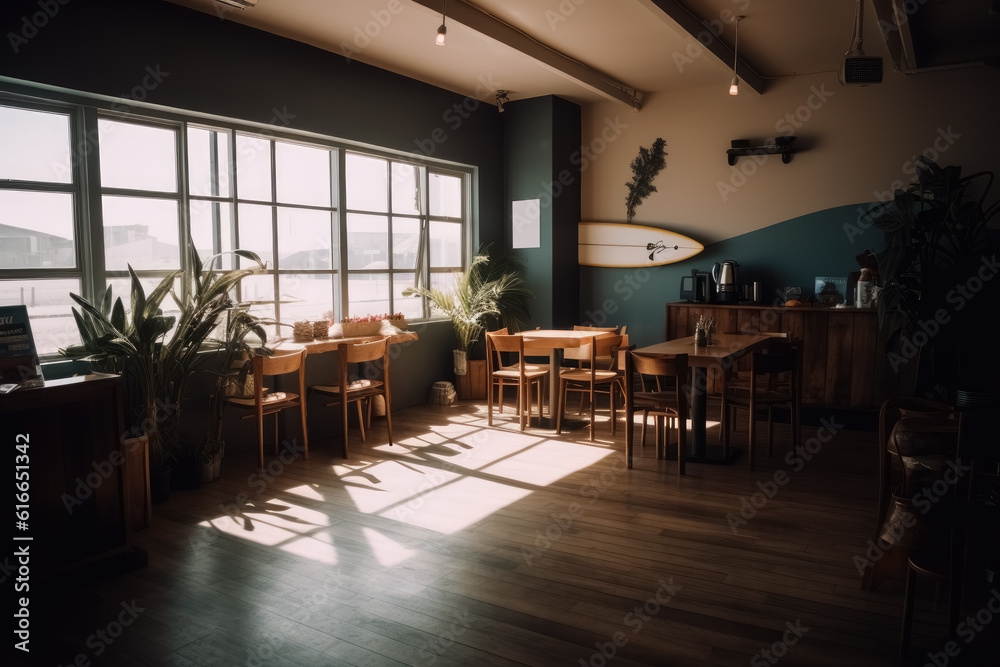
point(465, 545)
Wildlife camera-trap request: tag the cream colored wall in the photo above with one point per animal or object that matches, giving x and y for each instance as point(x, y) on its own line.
point(853, 142)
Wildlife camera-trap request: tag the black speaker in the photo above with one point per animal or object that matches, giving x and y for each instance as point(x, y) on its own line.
point(861, 70)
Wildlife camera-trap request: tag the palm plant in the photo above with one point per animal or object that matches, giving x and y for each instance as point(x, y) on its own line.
point(936, 232)
point(491, 290)
point(158, 353)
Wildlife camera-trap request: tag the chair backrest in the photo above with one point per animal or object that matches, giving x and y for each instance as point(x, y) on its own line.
point(773, 363)
point(599, 348)
point(675, 366)
point(280, 363)
point(496, 343)
point(582, 353)
point(505, 343)
point(659, 367)
point(367, 351)
point(581, 327)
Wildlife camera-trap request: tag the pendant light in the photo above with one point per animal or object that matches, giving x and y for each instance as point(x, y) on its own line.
point(734, 87)
point(443, 29)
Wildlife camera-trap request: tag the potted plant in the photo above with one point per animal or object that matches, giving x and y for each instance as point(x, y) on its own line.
point(490, 292)
point(936, 240)
point(154, 352)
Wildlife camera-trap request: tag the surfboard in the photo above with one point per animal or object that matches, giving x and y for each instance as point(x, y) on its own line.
point(614, 244)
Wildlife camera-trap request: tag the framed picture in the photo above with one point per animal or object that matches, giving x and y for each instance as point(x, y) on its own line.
point(831, 291)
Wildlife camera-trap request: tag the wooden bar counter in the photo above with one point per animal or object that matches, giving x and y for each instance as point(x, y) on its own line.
point(843, 357)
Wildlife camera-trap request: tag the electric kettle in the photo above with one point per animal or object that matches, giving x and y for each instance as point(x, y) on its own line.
point(727, 279)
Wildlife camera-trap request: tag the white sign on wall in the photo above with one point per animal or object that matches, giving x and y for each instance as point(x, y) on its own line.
point(526, 224)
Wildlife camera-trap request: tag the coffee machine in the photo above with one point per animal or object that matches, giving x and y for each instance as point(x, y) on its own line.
point(727, 281)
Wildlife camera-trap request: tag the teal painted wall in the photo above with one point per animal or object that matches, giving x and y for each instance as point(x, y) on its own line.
point(789, 253)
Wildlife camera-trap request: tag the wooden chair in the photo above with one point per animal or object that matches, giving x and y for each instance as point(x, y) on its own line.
point(347, 391)
point(732, 377)
point(588, 379)
point(666, 402)
point(775, 392)
point(265, 402)
point(582, 357)
point(505, 379)
point(520, 374)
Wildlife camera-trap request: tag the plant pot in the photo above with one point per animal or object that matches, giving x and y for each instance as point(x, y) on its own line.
point(137, 483)
point(206, 471)
point(459, 361)
point(159, 485)
point(351, 329)
point(472, 385)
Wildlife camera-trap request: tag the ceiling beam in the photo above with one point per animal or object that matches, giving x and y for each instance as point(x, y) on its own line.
point(695, 26)
point(574, 70)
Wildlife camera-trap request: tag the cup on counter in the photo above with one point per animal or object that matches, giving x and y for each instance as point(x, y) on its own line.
point(758, 292)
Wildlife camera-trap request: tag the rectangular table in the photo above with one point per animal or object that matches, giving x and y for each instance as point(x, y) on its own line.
point(723, 354)
point(555, 341)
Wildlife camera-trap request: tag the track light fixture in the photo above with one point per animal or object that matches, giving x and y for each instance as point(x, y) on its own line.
point(239, 4)
point(443, 29)
point(734, 86)
point(502, 99)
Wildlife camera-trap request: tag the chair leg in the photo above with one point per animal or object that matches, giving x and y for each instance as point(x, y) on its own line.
point(361, 419)
point(908, 600)
point(388, 419)
point(526, 414)
point(591, 395)
point(260, 441)
point(305, 429)
point(770, 430)
point(343, 420)
point(559, 405)
point(681, 446)
point(276, 433)
point(753, 435)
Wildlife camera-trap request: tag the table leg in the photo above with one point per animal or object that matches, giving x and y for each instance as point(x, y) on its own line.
point(629, 421)
point(698, 412)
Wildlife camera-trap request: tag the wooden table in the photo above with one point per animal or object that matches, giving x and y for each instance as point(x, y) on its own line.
point(318, 345)
point(555, 341)
point(722, 354)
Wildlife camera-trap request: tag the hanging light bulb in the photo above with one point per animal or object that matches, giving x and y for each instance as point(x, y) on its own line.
point(443, 29)
point(734, 86)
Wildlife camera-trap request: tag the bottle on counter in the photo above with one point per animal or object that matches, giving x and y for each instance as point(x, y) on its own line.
point(864, 290)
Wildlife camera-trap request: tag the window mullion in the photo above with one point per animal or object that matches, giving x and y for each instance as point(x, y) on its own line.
point(345, 297)
point(91, 206)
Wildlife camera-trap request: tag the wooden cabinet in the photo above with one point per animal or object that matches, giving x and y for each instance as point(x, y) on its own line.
point(72, 432)
point(843, 358)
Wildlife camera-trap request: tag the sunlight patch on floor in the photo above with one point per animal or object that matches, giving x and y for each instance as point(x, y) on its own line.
point(547, 462)
point(387, 551)
point(395, 484)
point(312, 547)
point(305, 491)
point(455, 506)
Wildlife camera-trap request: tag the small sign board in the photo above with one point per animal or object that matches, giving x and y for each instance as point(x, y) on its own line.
point(19, 367)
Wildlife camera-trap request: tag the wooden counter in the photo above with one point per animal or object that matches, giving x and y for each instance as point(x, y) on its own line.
point(843, 358)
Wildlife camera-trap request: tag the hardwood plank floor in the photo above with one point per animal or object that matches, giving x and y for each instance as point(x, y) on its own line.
point(469, 545)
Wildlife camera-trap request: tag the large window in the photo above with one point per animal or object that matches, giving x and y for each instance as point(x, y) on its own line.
point(40, 258)
point(341, 230)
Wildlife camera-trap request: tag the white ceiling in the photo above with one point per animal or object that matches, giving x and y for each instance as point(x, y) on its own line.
point(633, 42)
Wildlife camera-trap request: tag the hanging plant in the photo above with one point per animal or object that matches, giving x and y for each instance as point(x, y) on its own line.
point(645, 167)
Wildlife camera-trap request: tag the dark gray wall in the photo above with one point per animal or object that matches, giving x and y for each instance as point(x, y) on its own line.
point(209, 65)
